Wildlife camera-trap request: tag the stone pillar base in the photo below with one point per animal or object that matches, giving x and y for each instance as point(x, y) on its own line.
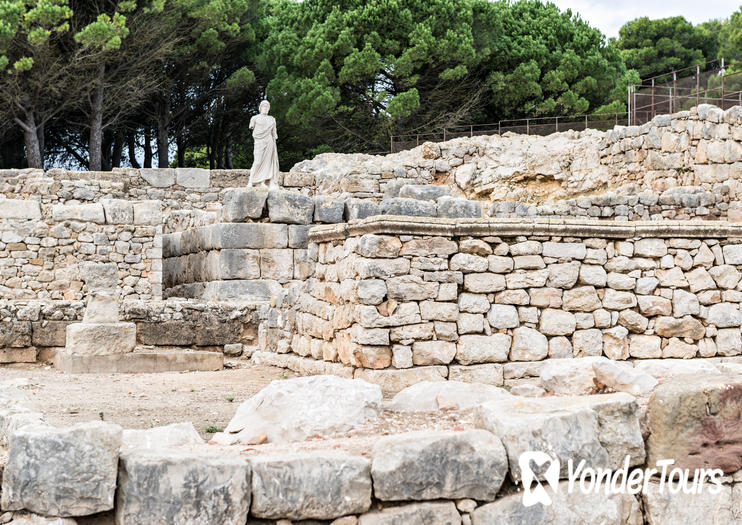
point(100, 338)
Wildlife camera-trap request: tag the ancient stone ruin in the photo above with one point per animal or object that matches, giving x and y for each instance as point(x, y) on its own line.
point(454, 308)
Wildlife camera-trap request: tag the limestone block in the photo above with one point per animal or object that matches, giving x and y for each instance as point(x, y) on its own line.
point(23, 209)
point(683, 427)
point(193, 177)
point(564, 250)
point(484, 282)
point(317, 485)
point(437, 311)
point(381, 268)
point(80, 480)
point(473, 349)
point(158, 177)
point(404, 314)
point(118, 211)
point(664, 368)
point(650, 248)
point(244, 203)
point(581, 299)
point(371, 291)
point(277, 264)
point(528, 345)
point(79, 212)
point(488, 373)
point(393, 381)
point(433, 513)
point(499, 264)
point(645, 346)
point(100, 338)
point(290, 207)
point(616, 343)
point(732, 253)
point(166, 436)
point(431, 396)
point(241, 290)
point(557, 322)
point(563, 275)
point(623, 378)
point(438, 464)
point(572, 376)
point(468, 262)
point(374, 246)
point(157, 487)
point(671, 506)
point(328, 209)
point(724, 315)
point(294, 409)
point(633, 321)
point(592, 275)
point(451, 208)
point(616, 300)
point(236, 264)
point(473, 303)
point(408, 207)
point(244, 235)
point(725, 276)
point(573, 507)
point(101, 308)
point(503, 316)
point(429, 246)
point(685, 327)
point(361, 209)
point(148, 212)
point(587, 342)
point(728, 342)
point(433, 352)
point(684, 303)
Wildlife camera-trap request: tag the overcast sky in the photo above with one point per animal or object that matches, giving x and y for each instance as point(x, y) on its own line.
point(610, 15)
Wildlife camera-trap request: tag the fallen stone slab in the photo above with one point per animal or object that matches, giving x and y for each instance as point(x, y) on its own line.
point(393, 381)
point(437, 513)
point(601, 429)
point(316, 485)
point(140, 362)
point(624, 378)
point(290, 207)
point(666, 368)
point(573, 508)
point(101, 338)
point(16, 417)
point(163, 487)
point(431, 396)
point(695, 421)
point(62, 471)
point(294, 409)
point(175, 435)
point(443, 464)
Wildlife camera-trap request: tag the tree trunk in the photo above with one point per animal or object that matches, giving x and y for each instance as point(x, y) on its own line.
point(147, 147)
point(132, 143)
point(228, 157)
point(105, 158)
point(31, 139)
point(163, 123)
point(118, 149)
point(181, 149)
point(40, 135)
point(95, 145)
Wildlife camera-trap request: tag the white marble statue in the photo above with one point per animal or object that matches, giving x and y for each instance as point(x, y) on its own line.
point(264, 169)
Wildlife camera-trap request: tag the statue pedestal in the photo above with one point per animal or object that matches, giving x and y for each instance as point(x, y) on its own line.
point(101, 338)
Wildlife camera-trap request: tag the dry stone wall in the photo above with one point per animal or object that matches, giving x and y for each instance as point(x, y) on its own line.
point(465, 296)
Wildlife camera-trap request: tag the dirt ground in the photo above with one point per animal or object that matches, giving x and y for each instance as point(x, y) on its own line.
point(207, 399)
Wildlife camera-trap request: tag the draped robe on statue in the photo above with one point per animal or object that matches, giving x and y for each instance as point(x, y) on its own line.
point(265, 162)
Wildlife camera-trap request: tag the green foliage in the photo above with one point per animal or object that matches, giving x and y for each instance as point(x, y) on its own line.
point(653, 47)
point(730, 38)
point(106, 33)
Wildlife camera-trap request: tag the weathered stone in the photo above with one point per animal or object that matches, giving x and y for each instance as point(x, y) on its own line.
point(174, 435)
point(431, 396)
point(725, 276)
point(633, 321)
point(392, 381)
point(328, 209)
point(433, 352)
point(21, 209)
point(100, 338)
point(80, 480)
point(361, 209)
point(684, 303)
point(503, 316)
point(672, 505)
point(664, 368)
point(318, 485)
point(438, 311)
point(528, 345)
point(693, 420)
point(148, 212)
point(645, 346)
point(685, 327)
point(615, 300)
point(581, 299)
point(473, 303)
point(79, 212)
point(592, 275)
point(570, 376)
point(429, 246)
point(434, 513)
point(556, 322)
point(157, 486)
point(290, 207)
point(564, 250)
point(370, 317)
point(724, 315)
point(247, 203)
point(408, 207)
point(616, 343)
point(193, 177)
point(560, 348)
point(438, 464)
point(650, 248)
point(158, 177)
point(488, 373)
point(563, 275)
point(499, 264)
point(484, 282)
point(118, 211)
point(382, 268)
point(654, 305)
point(573, 508)
point(728, 342)
point(411, 288)
point(527, 279)
point(732, 253)
point(623, 378)
point(472, 349)
point(371, 291)
point(587, 342)
point(672, 278)
point(102, 307)
point(293, 409)
point(677, 348)
point(451, 208)
point(373, 246)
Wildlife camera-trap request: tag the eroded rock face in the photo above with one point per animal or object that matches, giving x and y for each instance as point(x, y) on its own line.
point(294, 409)
point(695, 420)
point(62, 471)
point(166, 436)
point(316, 485)
point(666, 507)
point(162, 487)
point(442, 464)
point(431, 396)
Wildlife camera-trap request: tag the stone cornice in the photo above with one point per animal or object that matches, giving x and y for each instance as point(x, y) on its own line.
point(399, 225)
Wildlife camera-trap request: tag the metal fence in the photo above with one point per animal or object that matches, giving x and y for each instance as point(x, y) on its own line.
point(526, 126)
point(682, 89)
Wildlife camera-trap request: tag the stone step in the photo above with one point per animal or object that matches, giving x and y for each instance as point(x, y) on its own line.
point(140, 362)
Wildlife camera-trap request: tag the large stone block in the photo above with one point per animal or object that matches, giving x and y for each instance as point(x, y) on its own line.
point(290, 207)
point(317, 485)
point(451, 208)
point(67, 471)
point(678, 506)
point(244, 203)
point(158, 177)
point(148, 212)
point(471, 349)
point(166, 333)
point(392, 381)
point(79, 212)
point(426, 192)
point(431, 396)
point(162, 487)
point(295, 409)
point(244, 235)
point(49, 333)
point(100, 338)
point(328, 209)
point(409, 207)
point(118, 211)
point(601, 429)
point(695, 421)
point(438, 465)
point(360, 209)
point(22, 209)
point(199, 178)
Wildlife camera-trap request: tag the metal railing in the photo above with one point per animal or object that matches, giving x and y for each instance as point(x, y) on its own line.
point(682, 89)
point(525, 126)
